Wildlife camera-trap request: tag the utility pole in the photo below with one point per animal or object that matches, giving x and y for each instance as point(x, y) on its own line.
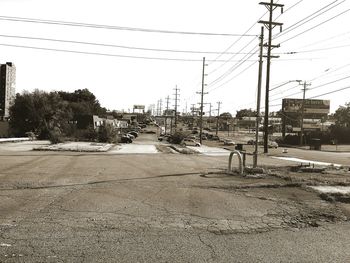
point(270, 25)
point(157, 111)
point(176, 105)
point(217, 118)
point(202, 95)
point(255, 161)
point(166, 114)
point(302, 113)
point(160, 107)
point(210, 106)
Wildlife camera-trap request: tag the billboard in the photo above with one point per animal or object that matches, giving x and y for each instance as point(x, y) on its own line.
point(310, 106)
point(314, 112)
point(139, 107)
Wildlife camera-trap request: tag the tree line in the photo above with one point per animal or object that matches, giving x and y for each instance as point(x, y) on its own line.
point(49, 114)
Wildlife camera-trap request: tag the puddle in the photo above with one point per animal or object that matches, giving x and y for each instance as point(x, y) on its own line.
point(293, 159)
point(332, 189)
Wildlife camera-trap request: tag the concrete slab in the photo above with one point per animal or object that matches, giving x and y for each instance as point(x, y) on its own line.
point(134, 149)
point(293, 159)
point(210, 151)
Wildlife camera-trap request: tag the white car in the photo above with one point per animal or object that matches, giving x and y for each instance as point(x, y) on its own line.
point(190, 142)
point(229, 142)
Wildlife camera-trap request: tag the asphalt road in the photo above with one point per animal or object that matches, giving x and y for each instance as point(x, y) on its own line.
point(102, 207)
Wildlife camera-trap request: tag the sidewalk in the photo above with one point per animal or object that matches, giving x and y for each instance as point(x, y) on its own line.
point(20, 139)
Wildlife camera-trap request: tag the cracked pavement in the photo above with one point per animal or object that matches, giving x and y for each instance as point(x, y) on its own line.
point(73, 207)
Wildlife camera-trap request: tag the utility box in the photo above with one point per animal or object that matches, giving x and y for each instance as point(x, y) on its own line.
point(315, 144)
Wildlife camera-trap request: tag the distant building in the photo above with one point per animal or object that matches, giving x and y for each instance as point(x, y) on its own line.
point(7, 88)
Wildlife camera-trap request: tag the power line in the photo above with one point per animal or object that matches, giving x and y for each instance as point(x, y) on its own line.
point(105, 54)
point(317, 50)
point(79, 24)
point(113, 45)
point(324, 40)
point(327, 93)
point(311, 17)
point(326, 21)
point(230, 70)
point(229, 80)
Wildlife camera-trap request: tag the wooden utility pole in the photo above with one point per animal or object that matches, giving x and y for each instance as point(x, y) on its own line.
point(166, 114)
point(202, 97)
point(218, 117)
point(302, 113)
point(176, 104)
point(270, 26)
point(255, 161)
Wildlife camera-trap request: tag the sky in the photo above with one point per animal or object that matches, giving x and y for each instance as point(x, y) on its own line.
point(137, 52)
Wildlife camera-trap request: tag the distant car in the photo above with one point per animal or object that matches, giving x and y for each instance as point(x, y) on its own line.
point(272, 144)
point(190, 142)
point(215, 138)
point(229, 142)
point(191, 137)
point(130, 136)
point(204, 137)
point(126, 139)
point(251, 142)
point(221, 139)
point(164, 137)
point(134, 133)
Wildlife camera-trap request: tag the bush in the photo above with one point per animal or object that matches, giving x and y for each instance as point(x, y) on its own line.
point(177, 137)
point(107, 133)
point(55, 136)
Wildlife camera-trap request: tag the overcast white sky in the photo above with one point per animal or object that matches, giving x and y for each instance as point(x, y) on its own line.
point(120, 82)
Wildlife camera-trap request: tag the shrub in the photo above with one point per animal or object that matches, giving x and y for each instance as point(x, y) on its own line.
point(107, 133)
point(177, 137)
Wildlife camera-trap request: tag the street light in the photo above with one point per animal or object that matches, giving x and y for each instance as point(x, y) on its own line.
point(289, 81)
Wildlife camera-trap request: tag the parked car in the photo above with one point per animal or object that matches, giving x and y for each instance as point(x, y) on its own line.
point(164, 137)
point(229, 142)
point(190, 142)
point(251, 142)
point(272, 144)
point(130, 136)
point(126, 139)
point(134, 133)
point(215, 138)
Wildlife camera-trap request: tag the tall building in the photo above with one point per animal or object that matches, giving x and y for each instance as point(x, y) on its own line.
point(7, 88)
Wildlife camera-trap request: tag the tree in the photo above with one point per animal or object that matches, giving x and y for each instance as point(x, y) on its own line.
point(45, 114)
point(342, 116)
point(245, 113)
point(83, 102)
point(226, 116)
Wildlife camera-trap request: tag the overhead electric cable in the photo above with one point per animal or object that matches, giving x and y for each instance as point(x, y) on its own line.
point(308, 19)
point(104, 54)
point(113, 45)
point(326, 21)
point(331, 92)
point(229, 80)
point(79, 24)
